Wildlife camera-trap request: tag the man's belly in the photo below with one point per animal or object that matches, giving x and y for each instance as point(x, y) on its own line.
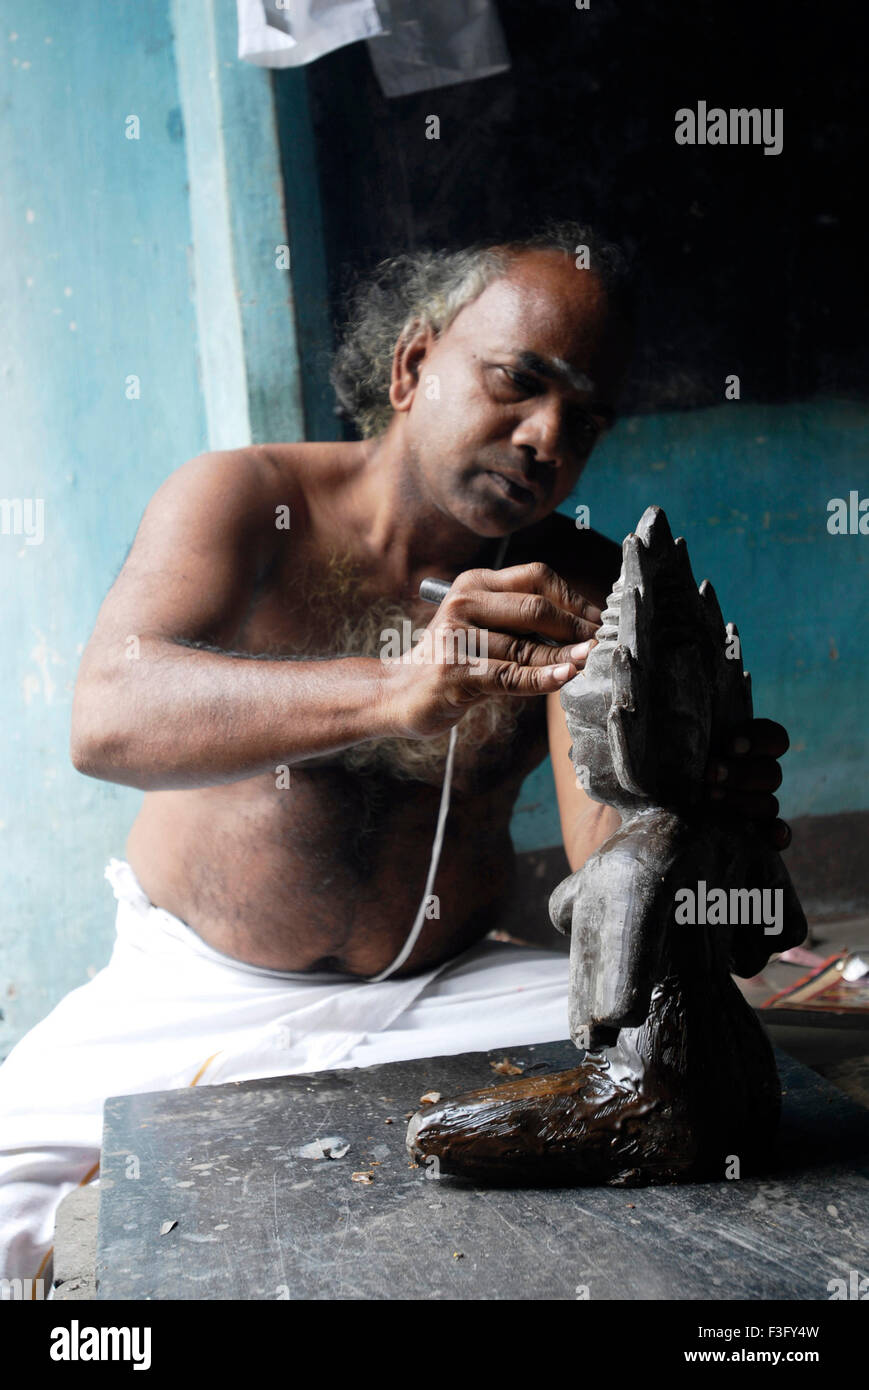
point(327, 872)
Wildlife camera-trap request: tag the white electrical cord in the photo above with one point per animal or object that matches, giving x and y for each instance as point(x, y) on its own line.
point(437, 843)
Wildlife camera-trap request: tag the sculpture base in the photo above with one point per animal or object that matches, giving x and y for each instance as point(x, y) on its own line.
point(693, 1093)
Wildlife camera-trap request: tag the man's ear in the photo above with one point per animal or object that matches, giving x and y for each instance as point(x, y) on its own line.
point(412, 348)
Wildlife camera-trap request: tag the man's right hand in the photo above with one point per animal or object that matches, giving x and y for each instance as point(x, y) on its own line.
point(483, 641)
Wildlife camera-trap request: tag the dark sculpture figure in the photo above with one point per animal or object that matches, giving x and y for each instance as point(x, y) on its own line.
point(678, 1079)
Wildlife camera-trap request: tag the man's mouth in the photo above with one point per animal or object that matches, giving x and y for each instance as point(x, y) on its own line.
point(516, 491)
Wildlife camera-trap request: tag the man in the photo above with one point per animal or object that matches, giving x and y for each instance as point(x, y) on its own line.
point(292, 777)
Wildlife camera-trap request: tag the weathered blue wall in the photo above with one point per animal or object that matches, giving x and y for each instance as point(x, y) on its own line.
point(748, 487)
point(94, 288)
point(110, 249)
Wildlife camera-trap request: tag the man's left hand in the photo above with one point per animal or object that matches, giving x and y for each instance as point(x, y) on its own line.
point(744, 776)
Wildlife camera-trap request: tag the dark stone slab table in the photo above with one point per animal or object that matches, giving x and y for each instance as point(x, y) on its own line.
point(225, 1206)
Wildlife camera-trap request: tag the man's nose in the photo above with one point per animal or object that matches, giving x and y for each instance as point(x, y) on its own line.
point(542, 430)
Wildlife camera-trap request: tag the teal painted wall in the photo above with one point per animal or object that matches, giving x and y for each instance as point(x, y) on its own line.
point(748, 487)
point(152, 258)
point(94, 288)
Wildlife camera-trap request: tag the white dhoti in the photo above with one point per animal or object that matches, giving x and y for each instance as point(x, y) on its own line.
point(169, 1011)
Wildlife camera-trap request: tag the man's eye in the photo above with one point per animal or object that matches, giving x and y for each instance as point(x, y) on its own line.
point(588, 425)
point(519, 380)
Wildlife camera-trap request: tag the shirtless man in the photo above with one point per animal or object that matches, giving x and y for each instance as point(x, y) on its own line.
point(326, 873)
point(292, 784)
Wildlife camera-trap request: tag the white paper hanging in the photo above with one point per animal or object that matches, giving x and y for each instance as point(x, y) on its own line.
point(289, 33)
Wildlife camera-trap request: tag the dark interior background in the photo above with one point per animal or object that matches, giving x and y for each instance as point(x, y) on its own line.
point(745, 262)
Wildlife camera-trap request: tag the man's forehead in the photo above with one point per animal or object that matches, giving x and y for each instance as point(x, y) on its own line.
point(559, 316)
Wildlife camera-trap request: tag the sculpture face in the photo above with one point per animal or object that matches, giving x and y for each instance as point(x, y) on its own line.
point(679, 1071)
point(658, 691)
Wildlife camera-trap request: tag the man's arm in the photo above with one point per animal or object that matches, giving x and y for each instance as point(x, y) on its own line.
point(590, 561)
point(154, 712)
point(585, 824)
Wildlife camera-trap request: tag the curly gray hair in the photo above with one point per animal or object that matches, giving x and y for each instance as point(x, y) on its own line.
point(430, 288)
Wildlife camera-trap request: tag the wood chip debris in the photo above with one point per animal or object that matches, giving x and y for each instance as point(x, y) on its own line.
point(430, 1098)
point(362, 1177)
point(506, 1068)
point(333, 1146)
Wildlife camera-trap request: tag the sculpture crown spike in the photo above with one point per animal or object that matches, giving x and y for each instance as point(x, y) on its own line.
point(663, 660)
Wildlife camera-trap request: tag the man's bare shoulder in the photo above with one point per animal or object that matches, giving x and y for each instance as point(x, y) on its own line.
point(246, 484)
point(587, 558)
point(241, 479)
point(310, 464)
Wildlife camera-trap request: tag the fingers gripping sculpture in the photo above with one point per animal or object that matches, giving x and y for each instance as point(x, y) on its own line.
point(678, 1078)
